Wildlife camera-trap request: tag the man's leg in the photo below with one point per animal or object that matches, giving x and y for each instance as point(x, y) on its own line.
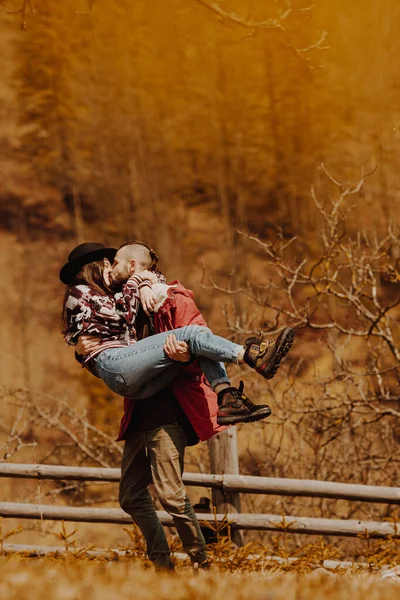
point(135, 499)
point(166, 449)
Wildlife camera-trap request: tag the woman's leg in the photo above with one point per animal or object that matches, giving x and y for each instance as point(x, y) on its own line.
point(142, 369)
point(214, 371)
point(138, 373)
point(203, 342)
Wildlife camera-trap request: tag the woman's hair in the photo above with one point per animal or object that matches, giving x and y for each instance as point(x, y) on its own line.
point(91, 275)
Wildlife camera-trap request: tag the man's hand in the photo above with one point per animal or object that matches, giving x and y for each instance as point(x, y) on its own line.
point(87, 344)
point(176, 350)
point(148, 299)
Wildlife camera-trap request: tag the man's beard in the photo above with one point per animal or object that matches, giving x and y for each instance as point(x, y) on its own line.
point(116, 286)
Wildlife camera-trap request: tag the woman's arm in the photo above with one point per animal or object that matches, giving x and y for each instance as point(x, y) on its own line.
point(90, 313)
point(128, 300)
point(78, 314)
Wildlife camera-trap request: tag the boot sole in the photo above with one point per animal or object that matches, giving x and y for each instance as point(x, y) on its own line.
point(283, 345)
point(257, 415)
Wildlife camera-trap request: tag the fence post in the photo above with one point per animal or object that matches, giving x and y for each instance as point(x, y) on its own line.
point(224, 460)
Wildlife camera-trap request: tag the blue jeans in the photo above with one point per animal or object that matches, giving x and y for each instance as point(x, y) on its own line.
point(142, 369)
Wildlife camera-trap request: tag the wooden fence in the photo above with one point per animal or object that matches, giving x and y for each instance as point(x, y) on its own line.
point(226, 484)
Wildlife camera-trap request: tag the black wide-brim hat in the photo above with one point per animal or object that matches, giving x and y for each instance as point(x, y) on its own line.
point(83, 255)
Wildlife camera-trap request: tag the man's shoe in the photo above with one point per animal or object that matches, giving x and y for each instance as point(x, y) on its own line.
point(236, 407)
point(265, 355)
point(204, 566)
point(165, 566)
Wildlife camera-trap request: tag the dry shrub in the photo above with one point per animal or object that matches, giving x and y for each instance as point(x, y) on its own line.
point(60, 433)
point(335, 403)
point(224, 555)
point(41, 428)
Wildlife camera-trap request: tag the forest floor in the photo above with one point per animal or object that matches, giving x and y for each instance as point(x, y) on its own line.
point(73, 579)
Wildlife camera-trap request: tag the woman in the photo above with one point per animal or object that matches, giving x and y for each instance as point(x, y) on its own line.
point(138, 369)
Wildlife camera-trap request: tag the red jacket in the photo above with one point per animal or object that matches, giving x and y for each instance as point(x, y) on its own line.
point(190, 387)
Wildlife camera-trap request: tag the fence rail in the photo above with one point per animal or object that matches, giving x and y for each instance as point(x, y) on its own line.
point(306, 525)
point(226, 483)
point(112, 553)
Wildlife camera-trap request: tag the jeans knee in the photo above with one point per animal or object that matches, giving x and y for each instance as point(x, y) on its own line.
point(196, 330)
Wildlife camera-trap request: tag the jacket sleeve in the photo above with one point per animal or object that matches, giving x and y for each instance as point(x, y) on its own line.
point(79, 316)
point(128, 300)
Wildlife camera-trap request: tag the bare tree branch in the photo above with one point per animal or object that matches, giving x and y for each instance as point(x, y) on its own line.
point(26, 4)
point(34, 411)
point(271, 23)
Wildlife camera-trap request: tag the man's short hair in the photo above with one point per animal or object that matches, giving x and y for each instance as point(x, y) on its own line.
point(140, 251)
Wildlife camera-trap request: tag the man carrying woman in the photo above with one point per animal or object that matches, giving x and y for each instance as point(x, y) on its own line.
point(155, 428)
point(140, 368)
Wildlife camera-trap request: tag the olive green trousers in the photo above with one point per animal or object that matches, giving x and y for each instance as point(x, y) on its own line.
point(157, 457)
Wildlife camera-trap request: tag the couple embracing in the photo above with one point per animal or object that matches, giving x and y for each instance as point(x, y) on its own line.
point(113, 299)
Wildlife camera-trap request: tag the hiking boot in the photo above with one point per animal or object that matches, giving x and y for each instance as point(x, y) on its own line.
point(163, 562)
point(236, 407)
point(164, 566)
point(265, 355)
point(204, 566)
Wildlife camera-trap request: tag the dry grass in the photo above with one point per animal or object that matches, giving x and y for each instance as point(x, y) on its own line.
point(74, 579)
point(280, 554)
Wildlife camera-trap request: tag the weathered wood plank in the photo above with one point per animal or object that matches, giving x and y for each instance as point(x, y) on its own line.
point(224, 459)
point(32, 471)
point(37, 550)
point(227, 483)
point(306, 525)
point(311, 488)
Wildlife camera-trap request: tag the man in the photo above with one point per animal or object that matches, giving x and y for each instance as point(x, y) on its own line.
point(155, 443)
point(156, 431)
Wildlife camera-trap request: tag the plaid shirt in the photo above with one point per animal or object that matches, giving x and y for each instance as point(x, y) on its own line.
point(111, 318)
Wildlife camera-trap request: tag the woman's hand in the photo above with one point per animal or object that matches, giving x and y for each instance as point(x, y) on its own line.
point(176, 350)
point(149, 275)
point(87, 344)
point(148, 299)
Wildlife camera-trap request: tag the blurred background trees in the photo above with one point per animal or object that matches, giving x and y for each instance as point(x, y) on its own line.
point(129, 105)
